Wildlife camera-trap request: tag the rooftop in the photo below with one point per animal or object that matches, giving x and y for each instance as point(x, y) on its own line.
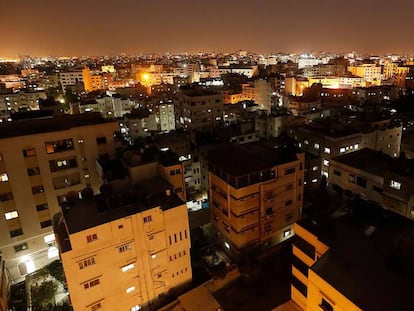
point(49, 124)
point(377, 163)
point(238, 160)
point(370, 256)
point(109, 206)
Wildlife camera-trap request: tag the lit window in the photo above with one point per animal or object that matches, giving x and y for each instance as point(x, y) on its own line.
point(356, 146)
point(130, 289)
point(11, 215)
point(342, 149)
point(327, 150)
point(306, 142)
point(315, 180)
point(127, 267)
point(4, 177)
point(315, 168)
point(326, 162)
point(136, 308)
point(316, 145)
point(393, 184)
point(286, 233)
point(227, 245)
point(49, 238)
point(153, 256)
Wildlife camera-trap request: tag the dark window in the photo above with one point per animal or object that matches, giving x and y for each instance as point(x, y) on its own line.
point(299, 286)
point(362, 182)
point(269, 211)
point(377, 189)
point(290, 171)
point(46, 223)
point(300, 265)
point(16, 232)
point(337, 173)
point(304, 246)
point(101, 140)
point(33, 171)
point(20, 247)
point(325, 305)
point(38, 189)
point(288, 202)
point(6, 196)
point(41, 207)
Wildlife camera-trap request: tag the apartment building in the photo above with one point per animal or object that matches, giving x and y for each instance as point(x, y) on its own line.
point(256, 193)
point(14, 102)
point(70, 78)
point(198, 109)
point(370, 73)
point(349, 262)
point(127, 250)
point(92, 81)
point(330, 137)
point(41, 161)
point(376, 177)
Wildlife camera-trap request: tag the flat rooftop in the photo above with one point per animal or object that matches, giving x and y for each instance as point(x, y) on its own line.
point(370, 256)
point(88, 213)
point(238, 160)
point(49, 124)
point(377, 163)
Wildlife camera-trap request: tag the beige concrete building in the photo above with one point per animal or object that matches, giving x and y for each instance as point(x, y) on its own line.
point(256, 193)
point(197, 109)
point(330, 137)
point(346, 262)
point(126, 249)
point(42, 160)
point(376, 177)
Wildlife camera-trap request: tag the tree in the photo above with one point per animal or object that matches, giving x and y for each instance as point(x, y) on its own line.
point(42, 294)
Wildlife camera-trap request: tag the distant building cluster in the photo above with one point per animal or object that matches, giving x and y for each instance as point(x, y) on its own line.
point(132, 169)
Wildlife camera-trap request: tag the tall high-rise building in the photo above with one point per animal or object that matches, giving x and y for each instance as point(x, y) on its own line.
point(126, 250)
point(256, 192)
point(41, 160)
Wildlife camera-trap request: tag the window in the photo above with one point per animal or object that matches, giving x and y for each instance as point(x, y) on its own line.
point(362, 182)
point(92, 237)
point(377, 189)
point(395, 184)
point(337, 173)
point(42, 207)
point(87, 263)
point(101, 140)
point(16, 232)
point(91, 283)
point(29, 152)
point(38, 189)
point(6, 196)
point(356, 146)
point(59, 145)
point(4, 177)
point(46, 223)
point(61, 164)
point(296, 283)
point(288, 202)
point(130, 289)
point(96, 306)
point(147, 219)
point(136, 308)
point(287, 233)
point(290, 171)
point(124, 248)
point(351, 178)
point(342, 149)
point(325, 305)
point(326, 162)
point(11, 215)
point(33, 171)
point(315, 168)
point(175, 172)
point(316, 145)
point(128, 267)
point(304, 246)
point(20, 247)
point(327, 150)
point(300, 265)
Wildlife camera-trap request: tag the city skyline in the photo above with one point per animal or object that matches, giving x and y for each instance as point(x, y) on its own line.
point(106, 27)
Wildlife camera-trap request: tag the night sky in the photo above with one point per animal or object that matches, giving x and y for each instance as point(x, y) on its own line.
point(98, 27)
